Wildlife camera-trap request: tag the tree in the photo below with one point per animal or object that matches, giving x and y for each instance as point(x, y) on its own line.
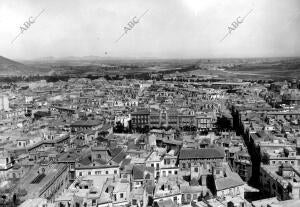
point(146, 129)
point(15, 199)
point(3, 198)
point(265, 159)
point(119, 128)
point(138, 129)
point(162, 128)
point(223, 123)
point(168, 128)
point(200, 197)
point(186, 128)
point(193, 128)
point(207, 196)
point(103, 133)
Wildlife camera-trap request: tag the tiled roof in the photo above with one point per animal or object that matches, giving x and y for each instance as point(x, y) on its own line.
point(140, 112)
point(166, 203)
point(119, 157)
point(100, 161)
point(88, 123)
point(85, 160)
point(126, 162)
point(115, 151)
point(228, 182)
point(138, 172)
point(201, 153)
point(150, 189)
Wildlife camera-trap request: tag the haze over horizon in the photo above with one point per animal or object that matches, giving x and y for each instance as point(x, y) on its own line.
point(187, 29)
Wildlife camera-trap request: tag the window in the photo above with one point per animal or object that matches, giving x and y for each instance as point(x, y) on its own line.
point(175, 172)
point(194, 196)
point(121, 195)
point(188, 197)
point(238, 191)
point(115, 172)
point(89, 172)
point(175, 199)
point(80, 173)
point(106, 172)
point(170, 172)
point(196, 169)
point(183, 165)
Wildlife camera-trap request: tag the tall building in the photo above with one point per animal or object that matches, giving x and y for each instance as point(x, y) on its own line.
point(4, 103)
point(140, 118)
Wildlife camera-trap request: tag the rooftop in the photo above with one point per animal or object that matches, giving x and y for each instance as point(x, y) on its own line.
point(205, 153)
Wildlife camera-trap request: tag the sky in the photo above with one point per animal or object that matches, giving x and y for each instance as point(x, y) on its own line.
point(169, 28)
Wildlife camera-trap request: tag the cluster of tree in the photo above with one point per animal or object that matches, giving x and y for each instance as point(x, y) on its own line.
point(12, 199)
point(184, 69)
point(119, 128)
point(223, 123)
point(202, 197)
point(40, 114)
point(143, 130)
point(265, 159)
point(65, 77)
point(140, 76)
point(30, 78)
point(189, 128)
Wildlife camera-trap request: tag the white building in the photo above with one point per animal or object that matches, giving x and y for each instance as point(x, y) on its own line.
point(4, 103)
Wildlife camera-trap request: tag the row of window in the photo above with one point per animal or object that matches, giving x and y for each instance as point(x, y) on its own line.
point(157, 165)
point(280, 162)
point(99, 172)
point(139, 120)
point(164, 173)
point(204, 165)
point(121, 196)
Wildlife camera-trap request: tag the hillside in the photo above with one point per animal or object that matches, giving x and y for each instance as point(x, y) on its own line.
point(11, 68)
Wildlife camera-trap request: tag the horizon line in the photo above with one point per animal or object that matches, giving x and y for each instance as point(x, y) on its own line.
point(145, 58)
